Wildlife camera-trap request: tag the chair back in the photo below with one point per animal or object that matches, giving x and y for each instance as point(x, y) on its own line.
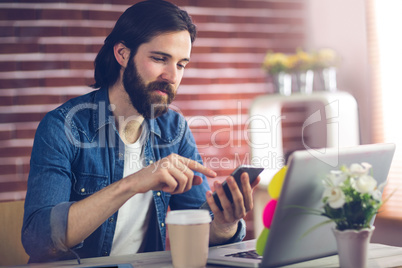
point(11, 249)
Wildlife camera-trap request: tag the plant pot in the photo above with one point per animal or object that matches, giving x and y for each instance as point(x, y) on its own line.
point(283, 83)
point(327, 79)
point(304, 81)
point(353, 247)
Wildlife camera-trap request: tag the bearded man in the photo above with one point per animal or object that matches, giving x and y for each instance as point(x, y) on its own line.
point(106, 166)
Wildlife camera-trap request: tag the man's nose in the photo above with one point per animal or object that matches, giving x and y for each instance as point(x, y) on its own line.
point(170, 74)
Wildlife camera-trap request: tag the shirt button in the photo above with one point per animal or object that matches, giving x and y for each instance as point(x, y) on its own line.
point(151, 162)
point(111, 219)
point(82, 190)
point(162, 224)
point(120, 155)
point(158, 193)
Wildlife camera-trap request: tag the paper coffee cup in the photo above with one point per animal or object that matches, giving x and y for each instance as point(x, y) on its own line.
point(189, 237)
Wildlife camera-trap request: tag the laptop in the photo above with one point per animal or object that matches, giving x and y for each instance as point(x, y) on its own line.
point(287, 241)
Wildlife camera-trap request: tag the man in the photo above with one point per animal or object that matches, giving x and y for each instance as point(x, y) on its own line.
point(106, 166)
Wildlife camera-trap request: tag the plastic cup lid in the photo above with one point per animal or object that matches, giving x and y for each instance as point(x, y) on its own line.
point(188, 216)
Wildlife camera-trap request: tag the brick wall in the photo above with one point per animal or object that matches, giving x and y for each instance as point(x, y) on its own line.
point(47, 50)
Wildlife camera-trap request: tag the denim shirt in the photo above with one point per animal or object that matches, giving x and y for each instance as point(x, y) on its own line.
point(77, 151)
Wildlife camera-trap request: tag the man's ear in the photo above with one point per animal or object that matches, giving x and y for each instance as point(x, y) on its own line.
point(122, 54)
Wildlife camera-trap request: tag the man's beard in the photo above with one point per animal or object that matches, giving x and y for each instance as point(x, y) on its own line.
point(144, 98)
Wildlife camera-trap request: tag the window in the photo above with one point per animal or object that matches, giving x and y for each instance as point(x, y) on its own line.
point(384, 19)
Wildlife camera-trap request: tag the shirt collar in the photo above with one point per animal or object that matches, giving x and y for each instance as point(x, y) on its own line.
point(103, 114)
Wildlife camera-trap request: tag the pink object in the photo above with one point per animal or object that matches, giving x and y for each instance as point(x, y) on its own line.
point(268, 213)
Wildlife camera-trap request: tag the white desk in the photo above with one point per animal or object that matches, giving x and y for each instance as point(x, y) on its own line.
point(380, 256)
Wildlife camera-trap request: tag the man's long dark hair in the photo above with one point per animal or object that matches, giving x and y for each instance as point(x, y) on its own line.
point(137, 25)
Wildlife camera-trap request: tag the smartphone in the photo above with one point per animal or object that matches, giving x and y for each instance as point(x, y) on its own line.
point(253, 173)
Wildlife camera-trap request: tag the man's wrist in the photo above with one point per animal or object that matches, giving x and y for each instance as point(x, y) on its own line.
point(221, 234)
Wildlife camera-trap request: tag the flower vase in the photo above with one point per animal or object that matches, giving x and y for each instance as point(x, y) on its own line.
point(353, 247)
point(304, 81)
point(327, 78)
point(283, 83)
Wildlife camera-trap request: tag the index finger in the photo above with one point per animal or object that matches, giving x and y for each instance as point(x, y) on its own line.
point(195, 166)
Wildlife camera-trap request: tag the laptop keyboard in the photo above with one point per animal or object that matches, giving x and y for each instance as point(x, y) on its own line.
point(251, 254)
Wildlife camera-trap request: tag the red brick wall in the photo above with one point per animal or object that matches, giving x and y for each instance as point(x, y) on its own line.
point(47, 50)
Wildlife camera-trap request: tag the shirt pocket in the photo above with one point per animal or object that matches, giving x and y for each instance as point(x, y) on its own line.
point(86, 184)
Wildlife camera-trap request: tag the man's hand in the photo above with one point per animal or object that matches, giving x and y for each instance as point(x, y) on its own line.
point(173, 174)
point(225, 223)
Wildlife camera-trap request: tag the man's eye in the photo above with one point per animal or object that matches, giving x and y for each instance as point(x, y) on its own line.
point(158, 59)
point(181, 66)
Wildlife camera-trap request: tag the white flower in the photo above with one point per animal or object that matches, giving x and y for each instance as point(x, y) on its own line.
point(364, 184)
point(376, 194)
point(335, 195)
point(357, 170)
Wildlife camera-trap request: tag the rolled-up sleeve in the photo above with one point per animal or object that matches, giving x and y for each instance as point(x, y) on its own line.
point(240, 234)
point(58, 225)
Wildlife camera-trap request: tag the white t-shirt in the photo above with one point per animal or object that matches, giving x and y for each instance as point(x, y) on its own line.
point(133, 217)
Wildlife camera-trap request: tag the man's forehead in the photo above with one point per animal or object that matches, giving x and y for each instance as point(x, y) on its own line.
point(172, 44)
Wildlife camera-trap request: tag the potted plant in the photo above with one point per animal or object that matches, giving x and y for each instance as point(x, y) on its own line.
point(351, 199)
point(325, 63)
point(279, 66)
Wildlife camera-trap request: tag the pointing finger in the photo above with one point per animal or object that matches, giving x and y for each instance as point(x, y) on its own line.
point(195, 166)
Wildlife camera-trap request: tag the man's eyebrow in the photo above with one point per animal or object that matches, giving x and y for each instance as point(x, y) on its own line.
point(168, 55)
